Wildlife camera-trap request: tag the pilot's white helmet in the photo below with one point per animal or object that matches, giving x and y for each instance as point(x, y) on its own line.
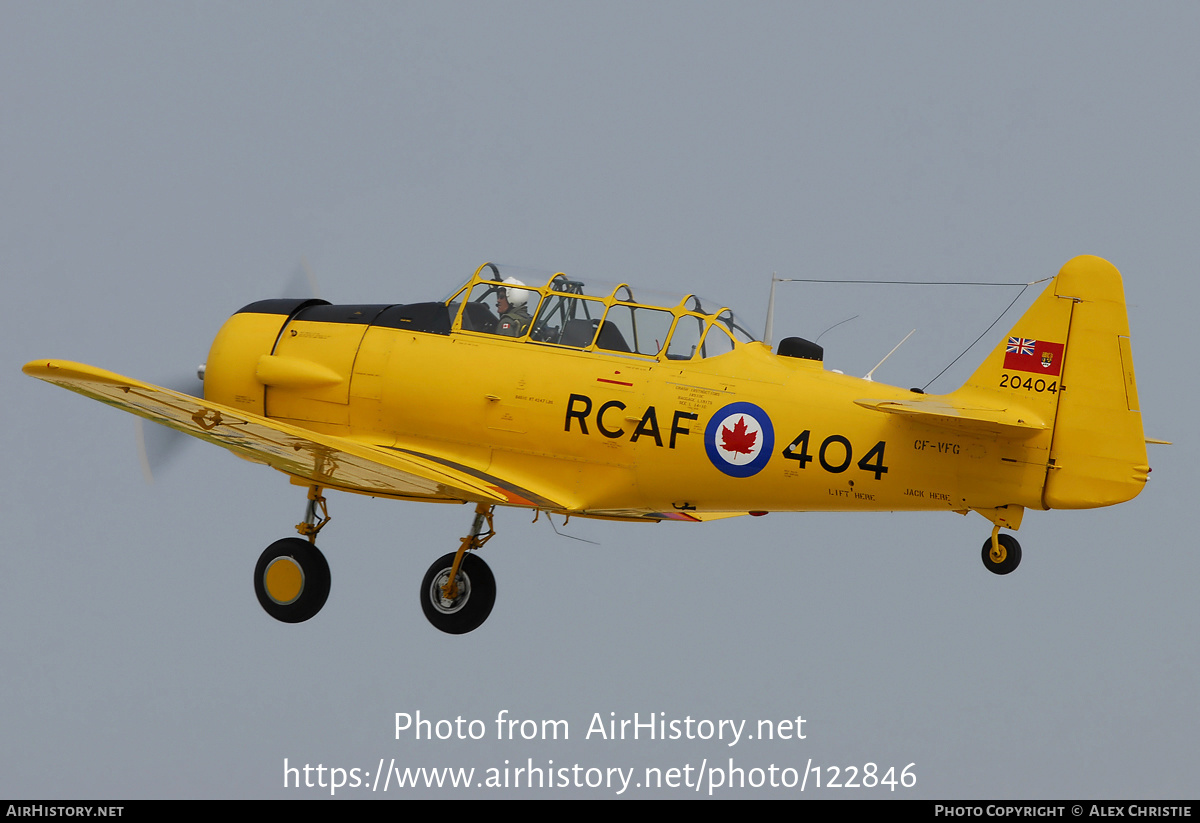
point(516, 297)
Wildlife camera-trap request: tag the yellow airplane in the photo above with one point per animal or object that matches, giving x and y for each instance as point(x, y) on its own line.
point(596, 400)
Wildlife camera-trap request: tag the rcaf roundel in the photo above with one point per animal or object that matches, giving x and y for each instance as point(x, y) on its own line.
point(739, 439)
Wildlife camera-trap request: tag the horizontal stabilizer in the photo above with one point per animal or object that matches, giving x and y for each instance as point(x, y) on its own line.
point(1005, 422)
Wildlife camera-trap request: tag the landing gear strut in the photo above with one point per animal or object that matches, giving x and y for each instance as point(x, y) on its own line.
point(292, 577)
point(459, 590)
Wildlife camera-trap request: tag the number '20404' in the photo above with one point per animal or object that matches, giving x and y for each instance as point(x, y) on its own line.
point(1014, 381)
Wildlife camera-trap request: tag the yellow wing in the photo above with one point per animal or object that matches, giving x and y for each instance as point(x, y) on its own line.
point(324, 460)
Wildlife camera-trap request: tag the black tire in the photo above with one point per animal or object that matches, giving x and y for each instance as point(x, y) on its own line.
point(283, 596)
point(1011, 550)
point(476, 594)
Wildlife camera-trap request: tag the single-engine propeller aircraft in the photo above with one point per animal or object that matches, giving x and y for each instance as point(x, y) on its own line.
point(591, 400)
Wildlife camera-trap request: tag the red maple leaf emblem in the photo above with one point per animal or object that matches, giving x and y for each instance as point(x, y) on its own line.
point(738, 440)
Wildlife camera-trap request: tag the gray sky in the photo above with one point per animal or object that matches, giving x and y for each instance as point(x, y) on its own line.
point(162, 165)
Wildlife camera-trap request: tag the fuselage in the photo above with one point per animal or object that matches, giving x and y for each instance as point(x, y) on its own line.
point(601, 430)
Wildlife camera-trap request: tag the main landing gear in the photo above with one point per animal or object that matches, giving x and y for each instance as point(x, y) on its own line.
point(1001, 553)
point(292, 577)
point(458, 591)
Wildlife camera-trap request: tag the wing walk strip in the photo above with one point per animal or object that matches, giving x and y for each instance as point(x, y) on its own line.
point(323, 459)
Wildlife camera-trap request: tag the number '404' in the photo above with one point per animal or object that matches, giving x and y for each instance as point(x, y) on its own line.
point(836, 454)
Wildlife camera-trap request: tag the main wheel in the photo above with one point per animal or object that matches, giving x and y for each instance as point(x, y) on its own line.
point(1009, 557)
point(476, 594)
point(292, 580)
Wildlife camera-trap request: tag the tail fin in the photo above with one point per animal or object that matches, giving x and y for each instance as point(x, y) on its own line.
point(1068, 361)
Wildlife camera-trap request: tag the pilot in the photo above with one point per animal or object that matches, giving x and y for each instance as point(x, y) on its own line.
point(510, 305)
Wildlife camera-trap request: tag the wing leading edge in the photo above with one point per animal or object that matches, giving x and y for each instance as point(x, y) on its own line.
point(325, 460)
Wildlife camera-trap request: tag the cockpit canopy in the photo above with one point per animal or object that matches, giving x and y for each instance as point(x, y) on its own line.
point(557, 310)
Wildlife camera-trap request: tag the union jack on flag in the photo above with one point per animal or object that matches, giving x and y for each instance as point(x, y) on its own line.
point(1020, 345)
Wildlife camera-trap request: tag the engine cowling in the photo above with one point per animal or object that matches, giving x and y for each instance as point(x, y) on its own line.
point(231, 373)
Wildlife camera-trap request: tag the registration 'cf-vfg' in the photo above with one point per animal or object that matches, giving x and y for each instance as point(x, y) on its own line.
point(593, 400)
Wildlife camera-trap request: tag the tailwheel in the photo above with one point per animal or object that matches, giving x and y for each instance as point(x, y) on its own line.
point(470, 603)
point(1004, 556)
point(292, 580)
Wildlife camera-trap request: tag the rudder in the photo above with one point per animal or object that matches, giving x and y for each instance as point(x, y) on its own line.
point(1098, 455)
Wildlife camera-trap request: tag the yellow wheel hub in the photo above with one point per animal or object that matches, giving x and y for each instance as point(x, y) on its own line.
point(998, 553)
point(283, 580)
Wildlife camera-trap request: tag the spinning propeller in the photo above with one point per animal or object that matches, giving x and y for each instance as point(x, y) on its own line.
point(158, 446)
